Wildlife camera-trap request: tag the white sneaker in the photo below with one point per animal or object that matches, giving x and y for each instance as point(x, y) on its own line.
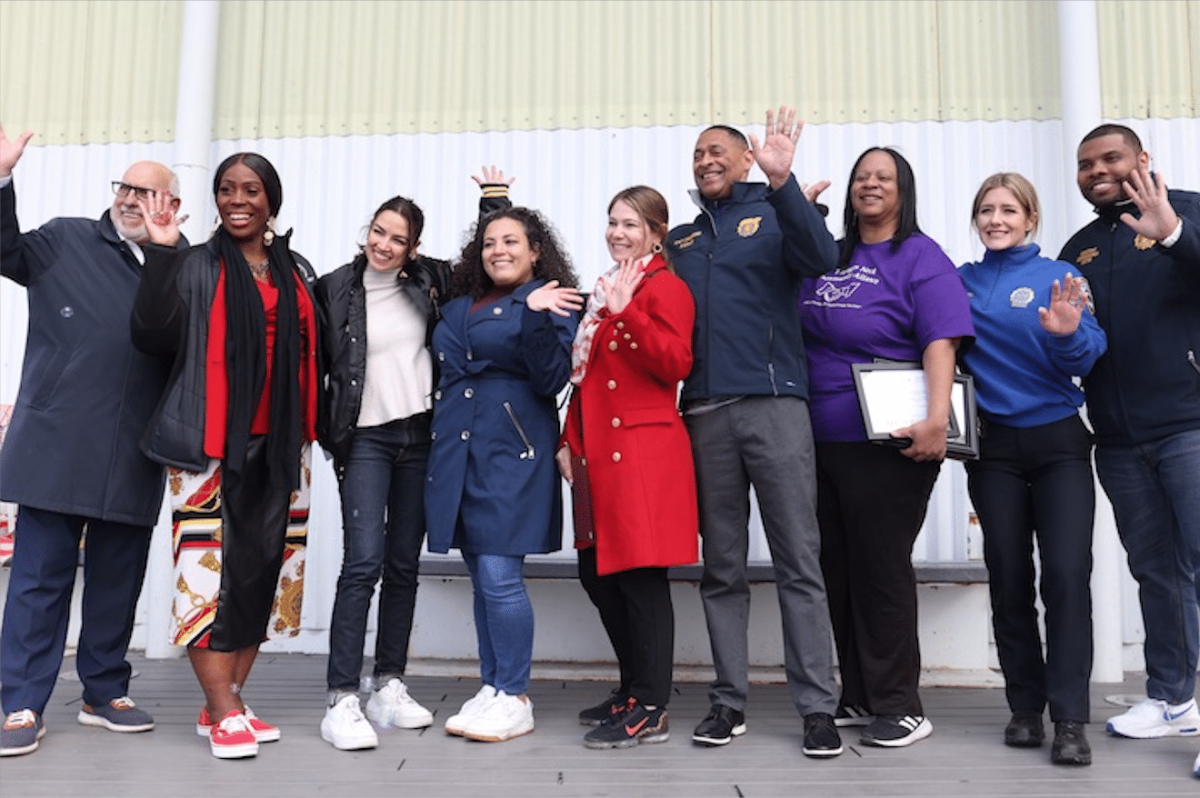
point(344, 726)
point(1156, 718)
point(391, 705)
point(504, 717)
point(456, 723)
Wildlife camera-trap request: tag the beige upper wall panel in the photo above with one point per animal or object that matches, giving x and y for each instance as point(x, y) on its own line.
point(78, 72)
point(1142, 73)
point(107, 71)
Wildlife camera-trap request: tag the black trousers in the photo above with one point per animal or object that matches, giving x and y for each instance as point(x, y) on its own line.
point(254, 520)
point(871, 503)
point(635, 608)
point(1030, 484)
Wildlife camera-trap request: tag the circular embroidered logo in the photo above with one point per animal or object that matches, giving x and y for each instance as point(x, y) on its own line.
point(1021, 297)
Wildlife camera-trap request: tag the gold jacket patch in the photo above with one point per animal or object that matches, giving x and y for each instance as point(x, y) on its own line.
point(749, 226)
point(686, 241)
point(1087, 256)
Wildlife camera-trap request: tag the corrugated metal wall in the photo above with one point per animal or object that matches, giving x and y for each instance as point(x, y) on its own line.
point(105, 71)
point(356, 102)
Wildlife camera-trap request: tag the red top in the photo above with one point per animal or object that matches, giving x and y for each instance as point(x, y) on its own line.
point(216, 400)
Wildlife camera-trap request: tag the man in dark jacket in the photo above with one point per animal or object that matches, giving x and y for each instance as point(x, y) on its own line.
point(71, 458)
point(1141, 257)
point(745, 405)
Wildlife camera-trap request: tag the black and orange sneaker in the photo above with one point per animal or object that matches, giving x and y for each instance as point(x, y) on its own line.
point(631, 725)
point(594, 716)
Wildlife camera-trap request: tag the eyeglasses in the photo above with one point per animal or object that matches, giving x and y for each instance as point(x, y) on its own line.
point(123, 189)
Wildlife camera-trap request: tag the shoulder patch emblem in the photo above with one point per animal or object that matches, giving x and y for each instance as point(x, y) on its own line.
point(749, 226)
point(686, 241)
point(1021, 297)
point(1141, 242)
point(1087, 256)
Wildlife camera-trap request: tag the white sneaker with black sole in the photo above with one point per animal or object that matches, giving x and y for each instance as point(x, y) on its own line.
point(896, 731)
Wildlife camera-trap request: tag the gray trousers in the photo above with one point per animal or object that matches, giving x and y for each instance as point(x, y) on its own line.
point(766, 442)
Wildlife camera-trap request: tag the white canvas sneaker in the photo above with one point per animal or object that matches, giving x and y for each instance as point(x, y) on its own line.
point(391, 705)
point(345, 728)
point(502, 718)
point(1156, 718)
point(456, 723)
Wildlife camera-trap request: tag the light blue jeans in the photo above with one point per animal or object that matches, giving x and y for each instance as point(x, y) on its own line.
point(1155, 492)
point(503, 620)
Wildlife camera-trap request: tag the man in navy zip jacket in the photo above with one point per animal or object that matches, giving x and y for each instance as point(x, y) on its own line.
point(1141, 257)
point(745, 405)
point(71, 458)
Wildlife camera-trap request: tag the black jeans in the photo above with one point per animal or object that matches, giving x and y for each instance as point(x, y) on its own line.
point(1036, 483)
point(635, 608)
point(383, 524)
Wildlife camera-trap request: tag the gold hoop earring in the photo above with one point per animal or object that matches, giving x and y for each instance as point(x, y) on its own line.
point(657, 248)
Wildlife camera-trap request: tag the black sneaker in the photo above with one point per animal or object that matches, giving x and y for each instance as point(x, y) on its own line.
point(631, 725)
point(821, 736)
point(594, 716)
point(896, 731)
point(1025, 730)
point(720, 725)
point(1070, 744)
point(852, 715)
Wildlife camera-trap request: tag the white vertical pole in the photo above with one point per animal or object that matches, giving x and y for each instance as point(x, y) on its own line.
point(193, 141)
point(1079, 72)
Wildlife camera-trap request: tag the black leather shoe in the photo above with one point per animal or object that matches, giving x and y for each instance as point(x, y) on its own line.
point(720, 726)
point(1070, 744)
point(1025, 730)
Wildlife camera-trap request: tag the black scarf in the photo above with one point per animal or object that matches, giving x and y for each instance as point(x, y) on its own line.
point(245, 360)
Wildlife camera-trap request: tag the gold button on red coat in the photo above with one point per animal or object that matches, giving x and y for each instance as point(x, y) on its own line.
point(612, 345)
point(616, 422)
point(616, 457)
point(612, 385)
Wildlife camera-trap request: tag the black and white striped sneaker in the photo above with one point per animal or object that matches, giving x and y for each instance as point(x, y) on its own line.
point(896, 731)
point(852, 715)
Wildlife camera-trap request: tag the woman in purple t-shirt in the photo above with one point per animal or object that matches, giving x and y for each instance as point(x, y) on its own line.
point(894, 296)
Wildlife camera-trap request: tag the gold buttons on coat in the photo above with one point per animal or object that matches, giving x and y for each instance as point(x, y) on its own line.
point(612, 345)
point(612, 385)
point(633, 345)
point(620, 325)
point(616, 422)
point(616, 457)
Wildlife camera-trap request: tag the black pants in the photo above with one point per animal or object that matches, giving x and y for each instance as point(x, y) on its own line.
point(635, 608)
point(254, 520)
point(871, 503)
point(1029, 483)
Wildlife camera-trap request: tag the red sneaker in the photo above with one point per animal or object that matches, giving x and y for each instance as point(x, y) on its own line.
point(263, 732)
point(233, 738)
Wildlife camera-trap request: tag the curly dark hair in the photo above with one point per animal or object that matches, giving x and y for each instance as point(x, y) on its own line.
point(469, 277)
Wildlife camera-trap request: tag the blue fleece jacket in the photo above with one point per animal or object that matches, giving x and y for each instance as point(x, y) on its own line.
point(1023, 374)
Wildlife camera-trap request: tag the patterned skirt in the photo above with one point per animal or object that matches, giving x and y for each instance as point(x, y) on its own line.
point(205, 531)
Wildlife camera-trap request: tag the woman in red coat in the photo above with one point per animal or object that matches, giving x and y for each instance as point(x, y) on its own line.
point(626, 454)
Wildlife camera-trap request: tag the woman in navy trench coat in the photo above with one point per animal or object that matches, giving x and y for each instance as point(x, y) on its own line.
point(492, 490)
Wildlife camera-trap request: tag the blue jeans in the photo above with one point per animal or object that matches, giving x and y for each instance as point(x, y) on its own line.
point(38, 606)
point(503, 621)
point(1155, 493)
point(383, 523)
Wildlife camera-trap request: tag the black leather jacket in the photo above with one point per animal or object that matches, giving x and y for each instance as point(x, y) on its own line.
point(343, 301)
point(344, 337)
point(170, 317)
